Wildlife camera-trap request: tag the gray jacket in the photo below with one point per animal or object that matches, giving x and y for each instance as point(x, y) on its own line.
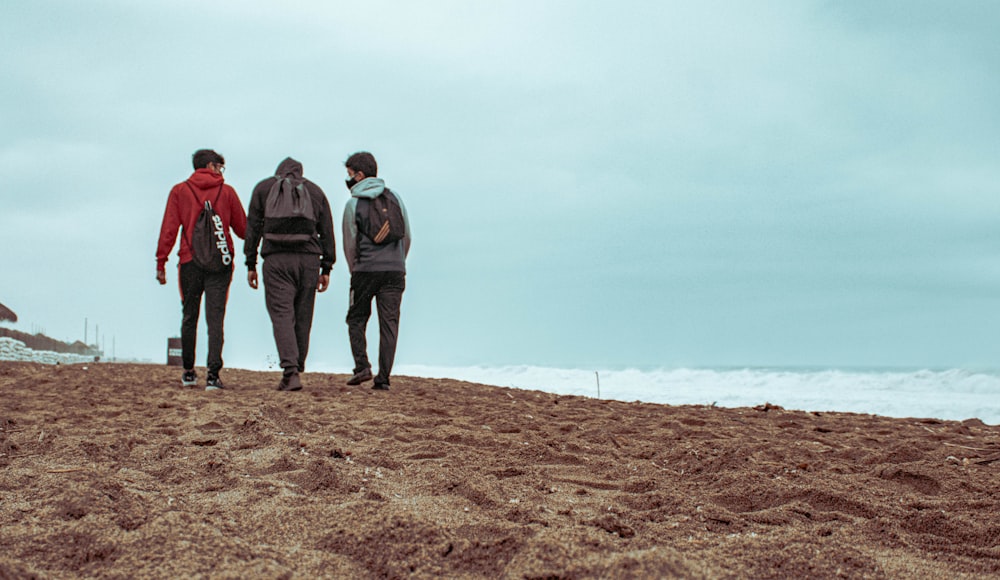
point(364, 255)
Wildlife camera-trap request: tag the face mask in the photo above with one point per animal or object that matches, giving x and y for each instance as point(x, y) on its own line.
point(351, 182)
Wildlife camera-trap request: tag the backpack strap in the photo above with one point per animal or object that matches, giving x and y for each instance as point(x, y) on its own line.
point(191, 189)
point(357, 219)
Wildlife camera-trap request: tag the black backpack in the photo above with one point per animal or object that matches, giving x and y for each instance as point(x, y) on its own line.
point(385, 223)
point(208, 238)
point(289, 215)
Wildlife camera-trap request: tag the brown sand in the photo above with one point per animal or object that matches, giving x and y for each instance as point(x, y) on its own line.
point(117, 471)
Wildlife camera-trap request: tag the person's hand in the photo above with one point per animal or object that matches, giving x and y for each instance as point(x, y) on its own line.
point(252, 279)
point(161, 277)
point(324, 283)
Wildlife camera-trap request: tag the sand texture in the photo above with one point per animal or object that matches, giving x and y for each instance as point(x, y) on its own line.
point(117, 471)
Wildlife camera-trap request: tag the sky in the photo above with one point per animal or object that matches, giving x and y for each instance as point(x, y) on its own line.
point(647, 184)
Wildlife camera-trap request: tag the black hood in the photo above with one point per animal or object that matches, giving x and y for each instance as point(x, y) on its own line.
point(289, 168)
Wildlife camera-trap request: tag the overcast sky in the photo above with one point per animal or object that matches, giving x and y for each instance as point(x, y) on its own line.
point(590, 184)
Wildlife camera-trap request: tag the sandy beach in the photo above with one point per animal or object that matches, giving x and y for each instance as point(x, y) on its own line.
point(112, 470)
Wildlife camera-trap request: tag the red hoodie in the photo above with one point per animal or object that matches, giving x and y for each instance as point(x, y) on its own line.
point(183, 208)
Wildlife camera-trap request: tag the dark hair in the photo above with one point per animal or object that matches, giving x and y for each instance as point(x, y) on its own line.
point(364, 162)
point(203, 157)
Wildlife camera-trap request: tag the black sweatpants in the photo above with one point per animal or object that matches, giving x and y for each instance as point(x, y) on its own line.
point(290, 282)
point(387, 290)
point(215, 286)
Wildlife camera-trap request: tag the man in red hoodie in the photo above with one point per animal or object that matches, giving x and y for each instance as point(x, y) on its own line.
point(184, 204)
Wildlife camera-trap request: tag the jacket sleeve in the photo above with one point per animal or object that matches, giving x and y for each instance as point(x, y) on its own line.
point(350, 229)
point(327, 240)
point(254, 228)
point(168, 230)
point(237, 217)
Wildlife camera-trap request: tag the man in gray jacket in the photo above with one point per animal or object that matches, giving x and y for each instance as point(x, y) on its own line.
point(377, 271)
point(292, 216)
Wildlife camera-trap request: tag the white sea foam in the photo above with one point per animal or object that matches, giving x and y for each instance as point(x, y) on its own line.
point(949, 394)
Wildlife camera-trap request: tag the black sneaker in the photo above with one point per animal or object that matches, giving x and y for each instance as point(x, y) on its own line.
point(380, 387)
point(214, 384)
point(189, 378)
point(360, 377)
point(290, 383)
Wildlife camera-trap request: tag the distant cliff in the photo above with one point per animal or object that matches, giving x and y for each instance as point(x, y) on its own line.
point(42, 342)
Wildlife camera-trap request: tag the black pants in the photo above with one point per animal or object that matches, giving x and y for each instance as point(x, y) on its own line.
point(215, 287)
point(387, 290)
point(290, 282)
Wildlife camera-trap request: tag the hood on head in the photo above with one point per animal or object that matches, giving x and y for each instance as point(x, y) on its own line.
point(369, 187)
point(289, 168)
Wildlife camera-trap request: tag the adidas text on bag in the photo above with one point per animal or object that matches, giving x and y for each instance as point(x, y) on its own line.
point(209, 248)
point(289, 216)
point(385, 219)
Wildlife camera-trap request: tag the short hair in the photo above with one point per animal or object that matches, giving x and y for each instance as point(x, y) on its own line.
point(203, 157)
point(364, 162)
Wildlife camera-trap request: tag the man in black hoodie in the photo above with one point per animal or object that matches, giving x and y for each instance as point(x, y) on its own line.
point(292, 216)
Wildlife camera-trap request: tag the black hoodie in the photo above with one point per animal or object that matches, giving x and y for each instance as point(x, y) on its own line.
point(322, 244)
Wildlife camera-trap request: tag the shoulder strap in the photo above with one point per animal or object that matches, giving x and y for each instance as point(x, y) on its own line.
point(357, 217)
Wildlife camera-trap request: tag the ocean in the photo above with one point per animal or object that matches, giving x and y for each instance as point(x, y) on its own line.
point(952, 394)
